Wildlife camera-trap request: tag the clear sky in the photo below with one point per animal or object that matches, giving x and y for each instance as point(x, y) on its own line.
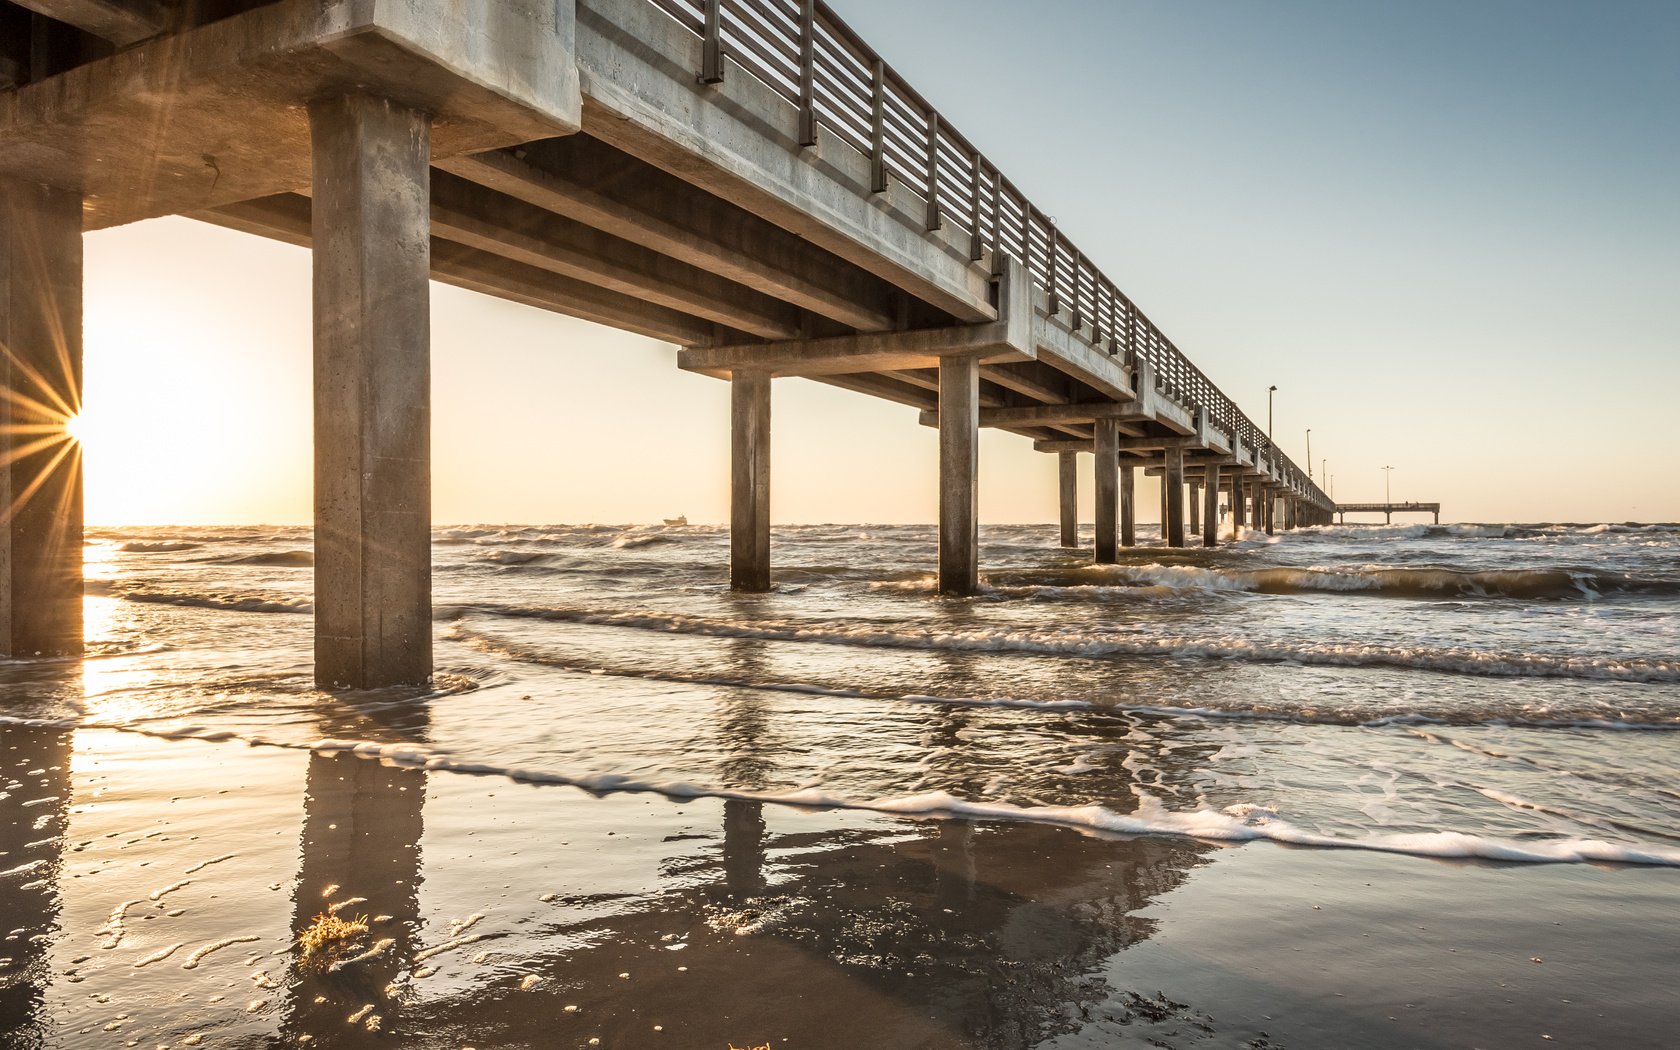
point(1448, 232)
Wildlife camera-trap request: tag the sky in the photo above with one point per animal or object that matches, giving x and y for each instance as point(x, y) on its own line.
point(1449, 233)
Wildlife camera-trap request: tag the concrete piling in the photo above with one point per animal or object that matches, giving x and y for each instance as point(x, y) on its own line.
point(1109, 476)
point(1210, 511)
point(959, 468)
point(372, 257)
point(1067, 465)
point(1172, 484)
point(1128, 508)
point(40, 465)
point(749, 466)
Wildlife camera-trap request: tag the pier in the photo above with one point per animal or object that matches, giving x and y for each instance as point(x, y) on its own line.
point(1387, 510)
point(747, 180)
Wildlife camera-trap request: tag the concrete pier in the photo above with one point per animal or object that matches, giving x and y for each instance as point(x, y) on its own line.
point(1239, 518)
point(567, 157)
point(1210, 512)
point(749, 462)
point(40, 465)
point(1194, 508)
point(1128, 508)
point(1067, 473)
point(959, 470)
point(373, 544)
point(1108, 475)
point(1172, 483)
point(1268, 509)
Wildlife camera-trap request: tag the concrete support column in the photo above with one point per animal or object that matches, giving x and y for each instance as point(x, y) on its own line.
point(1128, 508)
point(1172, 481)
point(1239, 518)
point(372, 260)
point(1210, 512)
point(959, 470)
point(41, 379)
point(1268, 508)
point(1067, 467)
point(1108, 473)
point(1195, 508)
point(749, 478)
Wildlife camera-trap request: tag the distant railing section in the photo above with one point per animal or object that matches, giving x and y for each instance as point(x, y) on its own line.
point(807, 53)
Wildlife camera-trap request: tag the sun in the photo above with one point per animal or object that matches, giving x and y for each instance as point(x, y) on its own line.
point(77, 428)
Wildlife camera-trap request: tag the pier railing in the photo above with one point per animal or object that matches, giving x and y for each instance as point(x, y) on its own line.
point(838, 83)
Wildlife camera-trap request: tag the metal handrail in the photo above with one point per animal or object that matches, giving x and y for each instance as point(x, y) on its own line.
point(807, 54)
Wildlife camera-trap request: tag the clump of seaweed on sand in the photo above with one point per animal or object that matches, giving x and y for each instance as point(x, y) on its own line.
point(328, 934)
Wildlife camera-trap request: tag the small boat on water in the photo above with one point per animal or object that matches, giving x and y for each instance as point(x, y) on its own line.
point(681, 519)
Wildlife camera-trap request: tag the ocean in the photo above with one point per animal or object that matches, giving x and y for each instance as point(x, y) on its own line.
point(1406, 785)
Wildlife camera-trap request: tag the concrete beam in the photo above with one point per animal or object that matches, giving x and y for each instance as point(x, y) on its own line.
point(286, 217)
point(589, 181)
point(373, 544)
point(40, 390)
point(122, 22)
point(1005, 339)
point(749, 506)
point(886, 387)
point(959, 472)
point(216, 114)
point(1046, 415)
point(738, 139)
point(469, 214)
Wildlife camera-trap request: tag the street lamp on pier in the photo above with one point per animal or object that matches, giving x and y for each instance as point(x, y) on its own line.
point(1309, 454)
point(1269, 392)
point(1387, 472)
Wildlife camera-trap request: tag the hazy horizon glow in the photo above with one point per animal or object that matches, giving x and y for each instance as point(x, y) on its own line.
point(1446, 233)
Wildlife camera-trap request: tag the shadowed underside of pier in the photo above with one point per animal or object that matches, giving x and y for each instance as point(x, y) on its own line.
point(745, 179)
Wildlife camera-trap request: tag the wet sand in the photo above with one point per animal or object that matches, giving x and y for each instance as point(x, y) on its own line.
point(153, 891)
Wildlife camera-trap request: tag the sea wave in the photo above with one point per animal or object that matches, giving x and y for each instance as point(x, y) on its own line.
point(1068, 642)
point(248, 603)
point(283, 559)
point(1455, 713)
point(1421, 582)
point(157, 546)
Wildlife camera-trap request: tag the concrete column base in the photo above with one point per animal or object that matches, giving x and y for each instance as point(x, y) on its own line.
point(372, 260)
point(749, 498)
point(40, 464)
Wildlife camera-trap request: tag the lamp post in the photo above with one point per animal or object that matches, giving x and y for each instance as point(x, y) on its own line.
point(1387, 472)
point(1309, 454)
point(1269, 392)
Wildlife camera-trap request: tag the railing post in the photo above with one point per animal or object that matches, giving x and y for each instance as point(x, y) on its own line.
point(935, 219)
point(1077, 320)
point(711, 52)
point(1053, 304)
point(807, 73)
point(976, 243)
point(878, 130)
point(998, 252)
